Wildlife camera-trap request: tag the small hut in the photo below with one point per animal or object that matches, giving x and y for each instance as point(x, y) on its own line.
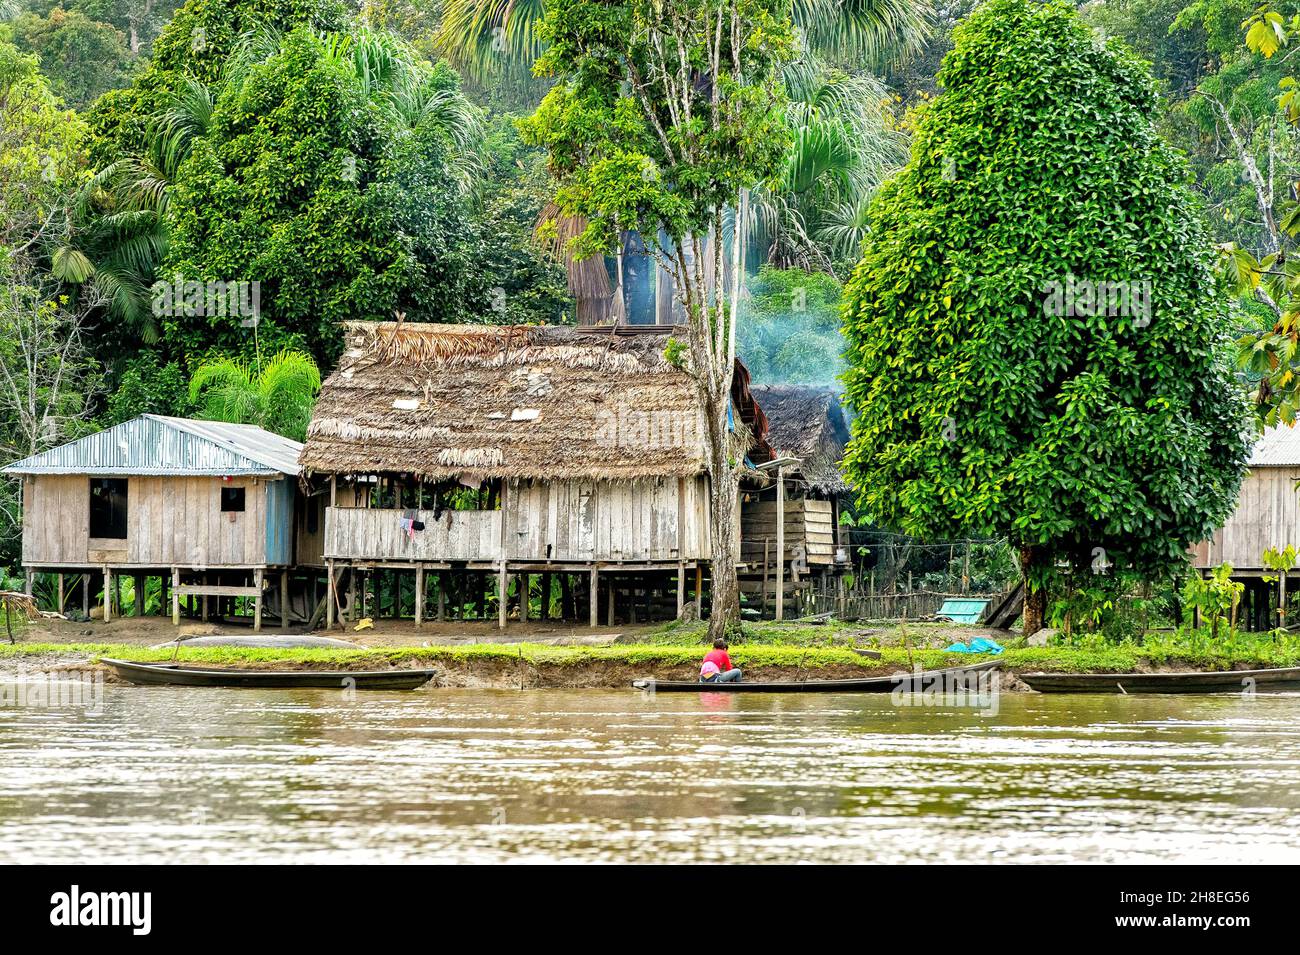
point(491, 455)
point(205, 506)
point(807, 430)
point(1267, 517)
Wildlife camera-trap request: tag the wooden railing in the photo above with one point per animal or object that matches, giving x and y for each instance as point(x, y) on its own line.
point(372, 533)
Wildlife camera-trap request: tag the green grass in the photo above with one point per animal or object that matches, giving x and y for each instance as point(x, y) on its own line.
point(1158, 651)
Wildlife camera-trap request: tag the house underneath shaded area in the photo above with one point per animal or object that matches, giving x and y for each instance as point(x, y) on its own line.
point(507, 461)
point(208, 508)
point(808, 429)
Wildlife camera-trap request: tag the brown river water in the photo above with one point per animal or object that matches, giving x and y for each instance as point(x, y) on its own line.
point(190, 775)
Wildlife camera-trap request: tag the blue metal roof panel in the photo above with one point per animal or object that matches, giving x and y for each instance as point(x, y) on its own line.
point(159, 446)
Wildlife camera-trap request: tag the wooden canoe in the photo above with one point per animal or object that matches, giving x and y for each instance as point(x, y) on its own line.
point(1224, 681)
point(905, 680)
point(175, 674)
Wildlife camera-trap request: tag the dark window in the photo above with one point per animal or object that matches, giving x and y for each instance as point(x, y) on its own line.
point(108, 507)
point(313, 514)
point(232, 499)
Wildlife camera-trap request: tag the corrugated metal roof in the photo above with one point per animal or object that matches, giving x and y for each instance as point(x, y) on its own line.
point(1279, 446)
point(159, 445)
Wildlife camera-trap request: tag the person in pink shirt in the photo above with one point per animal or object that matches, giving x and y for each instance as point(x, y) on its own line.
point(717, 666)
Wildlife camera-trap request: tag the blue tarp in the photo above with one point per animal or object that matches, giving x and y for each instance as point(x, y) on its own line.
point(978, 645)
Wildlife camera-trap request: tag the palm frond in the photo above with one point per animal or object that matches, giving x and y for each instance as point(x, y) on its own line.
point(485, 37)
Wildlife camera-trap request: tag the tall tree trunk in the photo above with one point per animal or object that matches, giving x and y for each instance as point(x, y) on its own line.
point(724, 488)
point(1035, 613)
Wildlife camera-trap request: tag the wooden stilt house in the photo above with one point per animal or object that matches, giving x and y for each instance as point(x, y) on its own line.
point(552, 471)
point(790, 530)
point(1267, 517)
point(206, 507)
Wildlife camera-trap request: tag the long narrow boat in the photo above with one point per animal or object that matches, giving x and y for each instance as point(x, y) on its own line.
point(175, 674)
point(906, 681)
point(1225, 681)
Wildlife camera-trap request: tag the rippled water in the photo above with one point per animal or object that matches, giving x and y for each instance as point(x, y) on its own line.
point(184, 775)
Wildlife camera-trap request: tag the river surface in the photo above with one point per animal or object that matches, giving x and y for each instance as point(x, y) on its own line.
point(158, 774)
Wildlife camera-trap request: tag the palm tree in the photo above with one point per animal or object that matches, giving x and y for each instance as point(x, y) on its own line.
point(486, 36)
point(120, 233)
point(843, 149)
point(278, 397)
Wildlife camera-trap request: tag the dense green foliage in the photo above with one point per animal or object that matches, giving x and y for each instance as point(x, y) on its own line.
point(340, 208)
point(982, 407)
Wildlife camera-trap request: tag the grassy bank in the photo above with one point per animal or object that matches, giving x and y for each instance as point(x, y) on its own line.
point(658, 658)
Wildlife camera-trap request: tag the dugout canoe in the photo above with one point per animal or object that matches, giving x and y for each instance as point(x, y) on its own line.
point(907, 681)
point(175, 674)
point(1222, 681)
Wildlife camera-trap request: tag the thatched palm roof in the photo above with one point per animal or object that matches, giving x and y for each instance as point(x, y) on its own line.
point(808, 423)
point(476, 401)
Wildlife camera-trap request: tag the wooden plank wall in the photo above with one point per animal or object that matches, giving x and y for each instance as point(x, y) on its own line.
point(606, 520)
point(1267, 515)
point(171, 521)
point(375, 533)
point(808, 523)
point(309, 546)
point(56, 512)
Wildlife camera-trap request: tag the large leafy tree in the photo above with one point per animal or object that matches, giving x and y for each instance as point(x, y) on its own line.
point(1102, 437)
point(47, 378)
point(82, 56)
point(333, 172)
point(664, 113)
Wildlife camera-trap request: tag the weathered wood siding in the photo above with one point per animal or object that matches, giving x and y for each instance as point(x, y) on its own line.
point(1267, 515)
point(608, 520)
point(310, 543)
point(171, 521)
point(375, 533)
point(575, 521)
point(809, 524)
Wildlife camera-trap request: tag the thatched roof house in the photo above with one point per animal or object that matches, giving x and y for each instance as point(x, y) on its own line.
point(810, 424)
point(475, 402)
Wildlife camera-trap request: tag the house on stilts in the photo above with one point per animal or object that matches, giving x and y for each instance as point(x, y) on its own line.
point(466, 466)
point(807, 430)
point(1267, 517)
point(208, 508)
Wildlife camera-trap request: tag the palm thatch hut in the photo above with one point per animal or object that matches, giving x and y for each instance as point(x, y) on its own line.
point(808, 429)
point(494, 454)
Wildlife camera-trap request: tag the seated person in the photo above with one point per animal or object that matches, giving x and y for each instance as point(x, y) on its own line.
point(717, 666)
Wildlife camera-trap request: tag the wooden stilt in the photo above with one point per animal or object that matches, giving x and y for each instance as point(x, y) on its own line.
point(329, 593)
point(137, 584)
point(59, 608)
point(594, 602)
point(85, 596)
point(524, 586)
point(108, 597)
point(442, 596)
point(610, 587)
point(176, 597)
point(419, 596)
point(257, 601)
point(780, 543)
point(544, 610)
point(681, 588)
point(503, 584)
point(767, 568)
point(284, 599)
